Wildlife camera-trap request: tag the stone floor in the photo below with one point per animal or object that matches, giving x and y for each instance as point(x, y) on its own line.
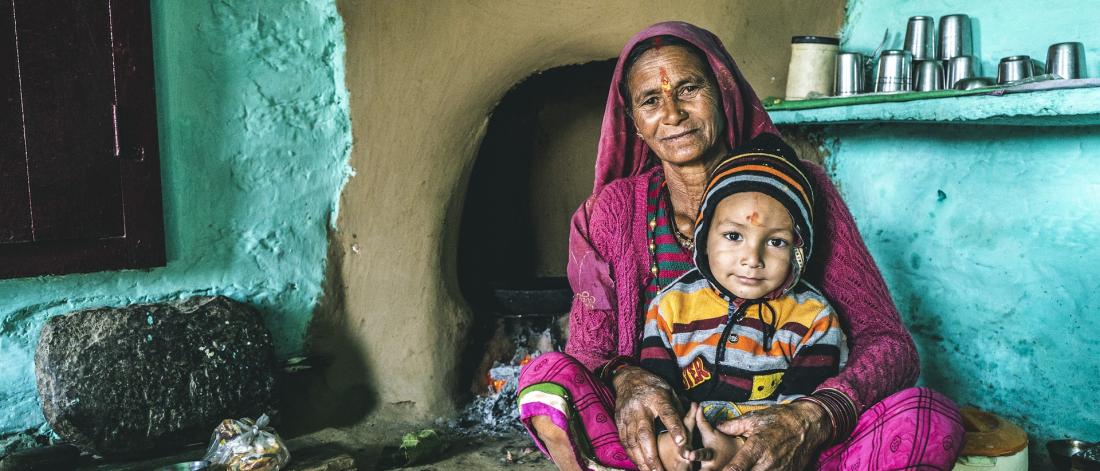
point(490, 454)
point(372, 446)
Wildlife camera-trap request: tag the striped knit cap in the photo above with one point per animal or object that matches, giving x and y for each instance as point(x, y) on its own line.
point(766, 165)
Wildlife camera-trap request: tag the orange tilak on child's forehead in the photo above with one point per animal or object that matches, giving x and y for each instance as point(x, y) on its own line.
point(753, 218)
point(758, 211)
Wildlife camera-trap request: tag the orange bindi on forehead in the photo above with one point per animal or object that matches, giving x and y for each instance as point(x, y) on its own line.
point(753, 218)
point(757, 210)
point(671, 62)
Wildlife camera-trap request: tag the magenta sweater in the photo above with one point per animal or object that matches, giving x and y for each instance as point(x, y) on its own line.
point(882, 358)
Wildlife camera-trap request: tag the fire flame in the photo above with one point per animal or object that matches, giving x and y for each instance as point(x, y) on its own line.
point(498, 384)
point(495, 384)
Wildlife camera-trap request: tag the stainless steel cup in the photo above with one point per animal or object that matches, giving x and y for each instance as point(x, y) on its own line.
point(1066, 60)
point(892, 73)
point(973, 82)
point(962, 67)
point(918, 38)
point(1013, 68)
point(929, 75)
point(955, 37)
point(849, 74)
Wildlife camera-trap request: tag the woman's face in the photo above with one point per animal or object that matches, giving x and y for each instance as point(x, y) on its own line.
point(675, 106)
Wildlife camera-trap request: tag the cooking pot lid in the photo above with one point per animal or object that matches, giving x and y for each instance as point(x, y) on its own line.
point(990, 435)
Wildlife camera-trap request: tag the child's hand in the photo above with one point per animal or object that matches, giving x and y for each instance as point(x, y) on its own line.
point(669, 451)
point(718, 448)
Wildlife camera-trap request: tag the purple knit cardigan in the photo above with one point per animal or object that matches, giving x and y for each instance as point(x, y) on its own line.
point(882, 359)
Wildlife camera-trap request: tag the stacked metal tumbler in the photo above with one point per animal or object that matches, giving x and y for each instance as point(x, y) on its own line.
point(927, 71)
point(893, 72)
point(955, 37)
point(849, 74)
point(938, 60)
point(935, 59)
point(919, 38)
point(1066, 60)
point(1015, 68)
point(956, 46)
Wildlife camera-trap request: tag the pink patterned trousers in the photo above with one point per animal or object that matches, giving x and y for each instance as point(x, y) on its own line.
point(916, 428)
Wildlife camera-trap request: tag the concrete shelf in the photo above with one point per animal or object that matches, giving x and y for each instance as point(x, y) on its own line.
point(1005, 107)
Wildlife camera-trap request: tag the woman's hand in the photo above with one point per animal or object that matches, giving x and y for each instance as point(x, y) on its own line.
point(641, 396)
point(783, 437)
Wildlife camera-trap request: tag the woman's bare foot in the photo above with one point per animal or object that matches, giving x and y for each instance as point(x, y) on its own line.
point(556, 442)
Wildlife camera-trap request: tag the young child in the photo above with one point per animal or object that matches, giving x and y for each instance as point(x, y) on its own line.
point(741, 331)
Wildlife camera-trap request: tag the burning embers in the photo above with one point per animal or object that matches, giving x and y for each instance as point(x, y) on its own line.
point(518, 340)
point(500, 376)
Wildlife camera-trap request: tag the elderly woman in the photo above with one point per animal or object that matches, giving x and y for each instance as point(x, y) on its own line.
point(677, 105)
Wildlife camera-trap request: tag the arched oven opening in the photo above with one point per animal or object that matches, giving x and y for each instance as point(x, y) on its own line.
point(534, 168)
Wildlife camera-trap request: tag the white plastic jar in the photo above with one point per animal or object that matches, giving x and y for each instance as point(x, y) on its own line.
point(812, 67)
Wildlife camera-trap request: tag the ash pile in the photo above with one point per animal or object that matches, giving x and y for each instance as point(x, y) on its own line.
point(516, 342)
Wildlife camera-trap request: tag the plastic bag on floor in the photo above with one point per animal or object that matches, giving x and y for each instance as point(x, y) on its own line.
point(244, 445)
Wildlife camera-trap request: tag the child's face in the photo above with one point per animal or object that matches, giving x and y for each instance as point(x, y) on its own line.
point(749, 244)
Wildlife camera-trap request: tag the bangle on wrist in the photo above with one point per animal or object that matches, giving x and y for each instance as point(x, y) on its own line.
point(608, 370)
point(828, 414)
point(839, 408)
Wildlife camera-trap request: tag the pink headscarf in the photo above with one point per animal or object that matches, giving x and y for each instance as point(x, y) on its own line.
point(622, 154)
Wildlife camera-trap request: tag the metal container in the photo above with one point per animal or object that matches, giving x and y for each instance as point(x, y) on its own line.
point(973, 82)
point(1066, 60)
point(919, 38)
point(929, 75)
point(893, 71)
point(955, 37)
point(1062, 450)
point(185, 466)
point(1081, 462)
point(849, 74)
point(1015, 68)
point(962, 67)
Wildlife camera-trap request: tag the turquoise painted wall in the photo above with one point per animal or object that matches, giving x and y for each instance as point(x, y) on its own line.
point(255, 138)
point(988, 236)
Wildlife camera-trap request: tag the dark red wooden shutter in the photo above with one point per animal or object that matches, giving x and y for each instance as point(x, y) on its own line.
point(79, 171)
point(66, 69)
point(15, 206)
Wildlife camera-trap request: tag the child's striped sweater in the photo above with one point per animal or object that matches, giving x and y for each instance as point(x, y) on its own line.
point(772, 355)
